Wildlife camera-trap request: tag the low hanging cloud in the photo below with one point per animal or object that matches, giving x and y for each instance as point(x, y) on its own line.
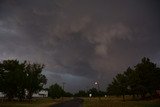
point(86, 39)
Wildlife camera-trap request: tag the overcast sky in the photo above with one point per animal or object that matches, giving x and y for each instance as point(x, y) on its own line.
point(80, 41)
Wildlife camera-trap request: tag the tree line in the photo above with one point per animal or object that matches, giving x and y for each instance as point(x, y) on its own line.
point(21, 79)
point(93, 91)
point(56, 91)
point(140, 81)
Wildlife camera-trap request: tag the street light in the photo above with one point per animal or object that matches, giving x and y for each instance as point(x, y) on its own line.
point(96, 83)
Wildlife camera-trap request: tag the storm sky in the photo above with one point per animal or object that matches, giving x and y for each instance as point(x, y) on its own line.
point(80, 41)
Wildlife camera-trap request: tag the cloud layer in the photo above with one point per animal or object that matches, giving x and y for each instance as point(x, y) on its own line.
point(88, 39)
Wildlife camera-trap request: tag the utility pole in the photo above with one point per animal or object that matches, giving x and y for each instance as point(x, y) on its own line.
point(63, 90)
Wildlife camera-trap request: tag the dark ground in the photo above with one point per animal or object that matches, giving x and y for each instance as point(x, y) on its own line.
point(76, 102)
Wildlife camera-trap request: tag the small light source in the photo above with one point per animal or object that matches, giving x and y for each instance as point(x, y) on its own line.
point(96, 83)
point(90, 95)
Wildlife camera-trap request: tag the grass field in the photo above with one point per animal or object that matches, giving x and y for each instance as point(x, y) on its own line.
point(117, 102)
point(45, 102)
point(88, 102)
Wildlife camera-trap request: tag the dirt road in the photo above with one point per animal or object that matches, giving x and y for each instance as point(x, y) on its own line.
point(76, 102)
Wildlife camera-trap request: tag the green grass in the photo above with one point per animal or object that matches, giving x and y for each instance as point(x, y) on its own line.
point(45, 102)
point(117, 102)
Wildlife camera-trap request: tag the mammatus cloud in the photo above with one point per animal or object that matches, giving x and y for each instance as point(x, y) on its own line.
point(80, 40)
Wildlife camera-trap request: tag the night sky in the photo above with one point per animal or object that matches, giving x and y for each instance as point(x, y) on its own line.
point(80, 41)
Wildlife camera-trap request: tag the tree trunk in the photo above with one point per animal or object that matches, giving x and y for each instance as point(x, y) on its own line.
point(123, 97)
point(30, 95)
point(10, 97)
point(133, 96)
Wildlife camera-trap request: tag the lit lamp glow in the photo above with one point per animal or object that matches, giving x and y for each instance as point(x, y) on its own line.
point(96, 83)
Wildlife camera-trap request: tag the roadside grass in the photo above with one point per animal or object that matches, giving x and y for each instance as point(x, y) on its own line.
point(117, 102)
point(39, 102)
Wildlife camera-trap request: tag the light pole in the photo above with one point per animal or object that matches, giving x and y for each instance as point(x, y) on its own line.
point(63, 90)
point(96, 83)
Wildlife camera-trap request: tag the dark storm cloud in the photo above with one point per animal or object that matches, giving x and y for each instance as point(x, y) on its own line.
point(92, 39)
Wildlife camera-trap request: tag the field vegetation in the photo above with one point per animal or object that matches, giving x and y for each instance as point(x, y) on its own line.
point(118, 102)
point(45, 102)
point(36, 102)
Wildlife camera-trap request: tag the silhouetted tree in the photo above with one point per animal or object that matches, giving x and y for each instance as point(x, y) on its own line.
point(55, 91)
point(118, 86)
point(13, 78)
point(16, 78)
point(133, 81)
point(143, 79)
point(94, 92)
point(68, 94)
point(148, 76)
point(35, 80)
point(81, 93)
point(2, 77)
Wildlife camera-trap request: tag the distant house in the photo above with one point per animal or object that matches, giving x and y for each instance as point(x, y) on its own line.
point(41, 94)
point(2, 95)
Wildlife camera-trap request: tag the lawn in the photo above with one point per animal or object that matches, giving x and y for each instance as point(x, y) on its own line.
point(43, 102)
point(88, 102)
point(117, 102)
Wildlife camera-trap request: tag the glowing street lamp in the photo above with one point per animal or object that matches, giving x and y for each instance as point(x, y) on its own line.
point(96, 83)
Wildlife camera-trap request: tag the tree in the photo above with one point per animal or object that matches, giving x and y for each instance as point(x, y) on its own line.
point(118, 86)
point(122, 85)
point(34, 80)
point(149, 76)
point(133, 81)
point(55, 91)
point(94, 92)
point(68, 94)
point(13, 78)
point(2, 78)
point(16, 78)
point(81, 93)
point(142, 79)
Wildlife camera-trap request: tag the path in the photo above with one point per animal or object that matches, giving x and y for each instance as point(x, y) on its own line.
point(76, 102)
